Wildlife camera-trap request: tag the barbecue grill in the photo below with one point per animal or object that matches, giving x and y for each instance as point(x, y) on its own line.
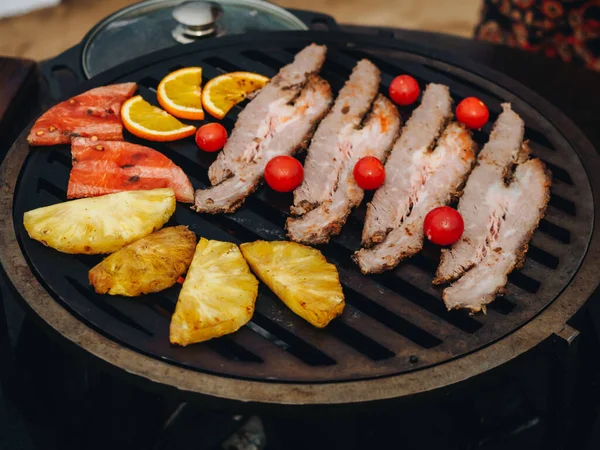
point(395, 337)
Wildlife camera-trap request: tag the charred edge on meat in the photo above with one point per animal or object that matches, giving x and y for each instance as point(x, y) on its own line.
point(330, 230)
point(481, 307)
point(300, 88)
point(304, 205)
point(445, 124)
point(368, 113)
point(522, 156)
point(381, 269)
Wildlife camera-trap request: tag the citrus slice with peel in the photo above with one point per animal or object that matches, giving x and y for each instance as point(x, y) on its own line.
point(179, 93)
point(225, 91)
point(149, 122)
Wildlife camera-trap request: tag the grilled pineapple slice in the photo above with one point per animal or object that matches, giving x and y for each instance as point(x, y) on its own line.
point(151, 264)
point(217, 296)
point(100, 224)
point(300, 276)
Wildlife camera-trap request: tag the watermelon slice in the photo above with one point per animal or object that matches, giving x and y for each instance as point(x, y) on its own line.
point(104, 167)
point(96, 112)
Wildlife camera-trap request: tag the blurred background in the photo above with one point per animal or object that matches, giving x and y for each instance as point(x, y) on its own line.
point(65, 22)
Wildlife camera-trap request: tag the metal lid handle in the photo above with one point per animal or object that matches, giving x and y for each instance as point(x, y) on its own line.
point(196, 19)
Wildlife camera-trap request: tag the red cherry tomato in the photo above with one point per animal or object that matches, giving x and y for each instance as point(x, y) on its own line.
point(443, 225)
point(369, 173)
point(284, 173)
point(211, 137)
point(404, 90)
point(472, 112)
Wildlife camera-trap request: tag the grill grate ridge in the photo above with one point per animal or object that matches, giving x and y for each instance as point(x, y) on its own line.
point(555, 231)
point(295, 345)
point(268, 336)
point(502, 305)
point(525, 282)
point(427, 302)
point(391, 320)
point(355, 339)
point(222, 65)
point(107, 308)
point(50, 188)
point(563, 204)
point(558, 173)
point(149, 83)
point(232, 350)
point(542, 257)
point(266, 59)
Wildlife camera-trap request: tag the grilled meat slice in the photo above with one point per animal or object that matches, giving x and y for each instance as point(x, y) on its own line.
point(523, 204)
point(254, 120)
point(392, 201)
point(374, 139)
point(480, 206)
point(501, 211)
point(440, 176)
point(329, 192)
point(325, 156)
point(285, 129)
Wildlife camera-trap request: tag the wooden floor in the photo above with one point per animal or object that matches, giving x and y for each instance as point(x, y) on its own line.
point(45, 33)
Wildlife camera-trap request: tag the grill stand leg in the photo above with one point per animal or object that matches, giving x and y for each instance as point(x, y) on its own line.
point(564, 347)
point(593, 442)
point(7, 361)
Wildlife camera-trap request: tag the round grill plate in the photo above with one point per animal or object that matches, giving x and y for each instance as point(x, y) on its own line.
point(395, 322)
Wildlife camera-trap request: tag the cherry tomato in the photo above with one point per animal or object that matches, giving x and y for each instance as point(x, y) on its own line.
point(284, 173)
point(472, 112)
point(443, 225)
point(404, 90)
point(180, 280)
point(211, 137)
point(369, 173)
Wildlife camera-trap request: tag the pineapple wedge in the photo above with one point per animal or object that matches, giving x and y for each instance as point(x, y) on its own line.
point(300, 276)
point(217, 296)
point(100, 224)
point(151, 264)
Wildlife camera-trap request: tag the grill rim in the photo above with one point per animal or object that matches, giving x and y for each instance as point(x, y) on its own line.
point(552, 320)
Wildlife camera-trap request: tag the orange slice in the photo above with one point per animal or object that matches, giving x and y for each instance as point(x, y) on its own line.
point(225, 91)
point(149, 122)
point(179, 93)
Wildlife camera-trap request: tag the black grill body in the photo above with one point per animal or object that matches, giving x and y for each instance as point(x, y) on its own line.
point(394, 323)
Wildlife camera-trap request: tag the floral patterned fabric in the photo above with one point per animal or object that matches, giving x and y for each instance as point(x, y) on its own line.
point(568, 29)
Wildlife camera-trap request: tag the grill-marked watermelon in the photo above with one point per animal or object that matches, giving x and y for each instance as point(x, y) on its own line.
point(96, 112)
point(104, 167)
